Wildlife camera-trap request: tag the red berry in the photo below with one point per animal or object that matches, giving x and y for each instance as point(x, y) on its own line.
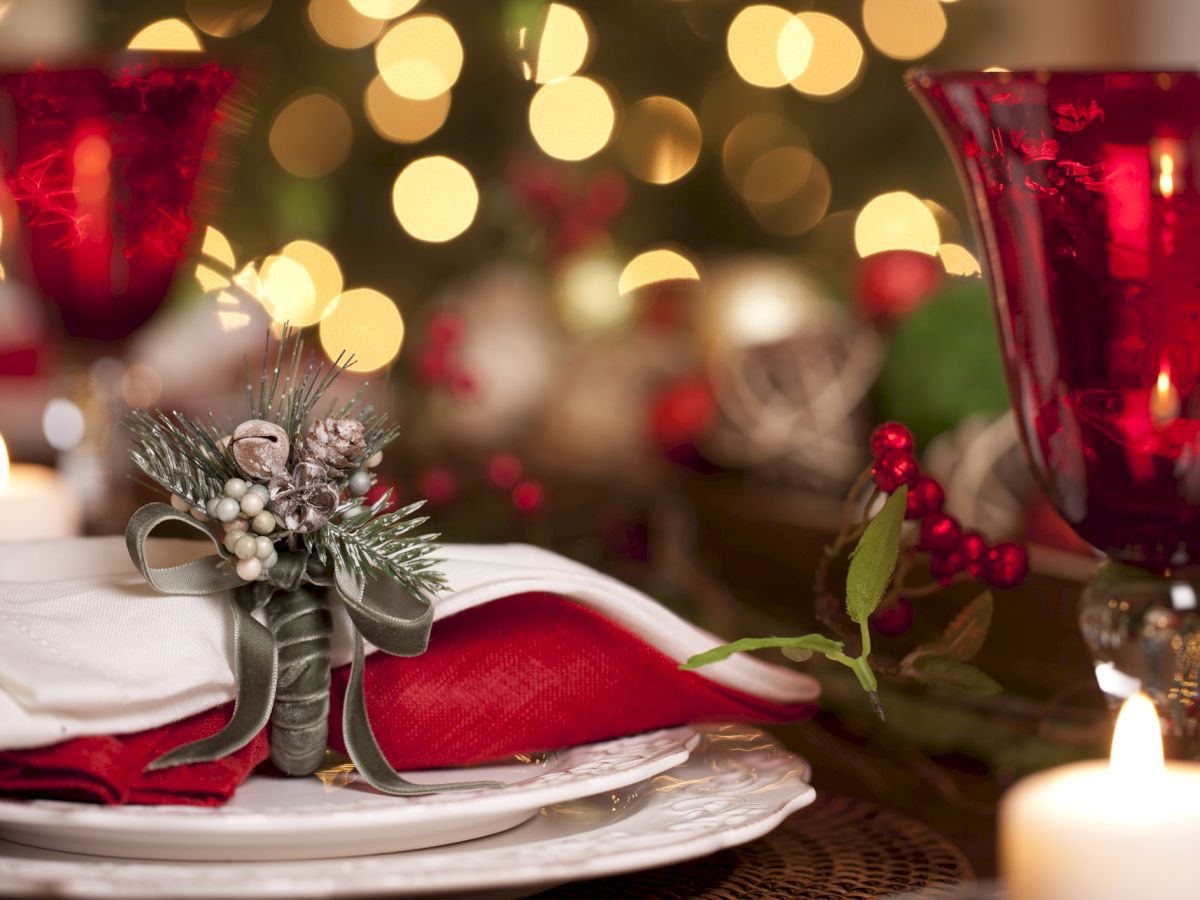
point(1007, 565)
point(924, 498)
point(504, 470)
point(897, 467)
point(893, 619)
point(896, 282)
point(437, 485)
point(528, 496)
point(463, 385)
point(891, 436)
point(444, 329)
point(944, 566)
point(939, 533)
point(682, 414)
point(975, 550)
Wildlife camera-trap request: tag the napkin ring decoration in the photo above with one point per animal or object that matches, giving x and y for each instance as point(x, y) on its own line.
point(282, 498)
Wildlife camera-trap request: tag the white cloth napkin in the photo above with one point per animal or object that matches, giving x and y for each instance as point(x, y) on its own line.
point(87, 647)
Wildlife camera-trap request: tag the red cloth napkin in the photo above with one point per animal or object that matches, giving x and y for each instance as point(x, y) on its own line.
point(526, 673)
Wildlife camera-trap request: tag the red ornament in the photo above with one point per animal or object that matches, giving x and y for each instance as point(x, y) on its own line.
point(528, 496)
point(974, 549)
point(1007, 565)
point(894, 283)
point(939, 533)
point(894, 468)
point(924, 498)
point(891, 436)
point(437, 485)
point(504, 470)
point(378, 489)
point(682, 414)
point(103, 171)
point(893, 619)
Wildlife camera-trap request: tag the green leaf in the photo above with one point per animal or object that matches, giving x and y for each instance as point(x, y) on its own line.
point(873, 561)
point(817, 643)
point(942, 671)
point(796, 654)
point(965, 634)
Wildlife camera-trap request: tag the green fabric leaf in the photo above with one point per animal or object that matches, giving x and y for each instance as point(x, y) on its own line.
point(873, 561)
point(965, 634)
point(813, 642)
point(942, 671)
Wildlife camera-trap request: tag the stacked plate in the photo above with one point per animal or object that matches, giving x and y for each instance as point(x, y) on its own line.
point(600, 809)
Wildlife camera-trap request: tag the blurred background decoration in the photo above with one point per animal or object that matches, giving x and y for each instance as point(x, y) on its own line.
point(599, 258)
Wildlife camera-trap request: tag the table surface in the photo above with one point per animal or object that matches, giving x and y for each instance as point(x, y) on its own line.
point(837, 848)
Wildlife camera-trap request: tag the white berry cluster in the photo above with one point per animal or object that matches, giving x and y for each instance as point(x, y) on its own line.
point(242, 510)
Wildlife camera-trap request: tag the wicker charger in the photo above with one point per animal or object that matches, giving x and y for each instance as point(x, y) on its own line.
point(835, 849)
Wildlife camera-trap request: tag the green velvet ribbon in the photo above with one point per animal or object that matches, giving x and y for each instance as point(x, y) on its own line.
point(257, 653)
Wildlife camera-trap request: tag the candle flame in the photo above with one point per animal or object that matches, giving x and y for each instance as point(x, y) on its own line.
point(1137, 749)
point(1164, 398)
point(1166, 175)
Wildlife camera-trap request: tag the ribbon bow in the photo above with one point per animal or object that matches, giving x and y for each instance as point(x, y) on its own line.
point(281, 669)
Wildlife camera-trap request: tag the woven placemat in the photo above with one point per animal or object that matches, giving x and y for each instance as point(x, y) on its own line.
point(836, 848)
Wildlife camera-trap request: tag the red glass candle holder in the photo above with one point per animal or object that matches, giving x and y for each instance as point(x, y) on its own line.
point(104, 170)
point(1085, 190)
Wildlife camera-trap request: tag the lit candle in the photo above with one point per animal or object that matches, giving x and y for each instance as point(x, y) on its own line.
point(1106, 831)
point(35, 502)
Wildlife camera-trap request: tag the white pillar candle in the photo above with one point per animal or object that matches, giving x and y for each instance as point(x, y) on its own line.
point(35, 502)
point(1115, 830)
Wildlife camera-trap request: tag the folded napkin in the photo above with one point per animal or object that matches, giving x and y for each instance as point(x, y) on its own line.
point(99, 674)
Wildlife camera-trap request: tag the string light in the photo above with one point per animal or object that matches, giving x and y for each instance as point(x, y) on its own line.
point(572, 119)
point(435, 198)
point(660, 140)
point(655, 267)
point(226, 18)
point(420, 57)
point(904, 29)
point(368, 325)
point(340, 25)
point(564, 44)
point(323, 271)
point(383, 9)
point(167, 35)
point(311, 136)
point(402, 119)
point(753, 45)
point(896, 221)
point(836, 60)
point(958, 260)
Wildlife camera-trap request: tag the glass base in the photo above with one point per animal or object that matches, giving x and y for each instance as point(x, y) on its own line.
point(1143, 631)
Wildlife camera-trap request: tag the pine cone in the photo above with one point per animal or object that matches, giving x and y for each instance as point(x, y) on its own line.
point(336, 444)
point(303, 500)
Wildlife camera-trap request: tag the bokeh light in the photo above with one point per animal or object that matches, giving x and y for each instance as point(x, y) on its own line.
point(660, 140)
point(753, 45)
point(340, 25)
point(420, 57)
point(311, 136)
point(804, 203)
point(384, 9)
point(563, 44)
point(216, 246)
point(904, 29)
point(752, 137)
point(141, 386)
point(777, 174)
point(226, 18)
point(169, 35)
point(836, 60)
point(63, 424)
point(365, 323)
point(288, 293)
point(210, 279)
point(322, 268)
point(655, 267)
point(728, 100)
point(572, 119)
point(402, 119)
point(896, 221)
point(958, 260)
point(588, 296)
point(435, 198)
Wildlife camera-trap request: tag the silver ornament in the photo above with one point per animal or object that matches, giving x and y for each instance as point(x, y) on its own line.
point(260, 449)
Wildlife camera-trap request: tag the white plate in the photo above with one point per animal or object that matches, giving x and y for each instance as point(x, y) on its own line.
point(736, 786)
point(311, 818)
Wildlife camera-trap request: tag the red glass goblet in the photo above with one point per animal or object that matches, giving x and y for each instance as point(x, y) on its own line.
point(103, 169)
point(1085, 191)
